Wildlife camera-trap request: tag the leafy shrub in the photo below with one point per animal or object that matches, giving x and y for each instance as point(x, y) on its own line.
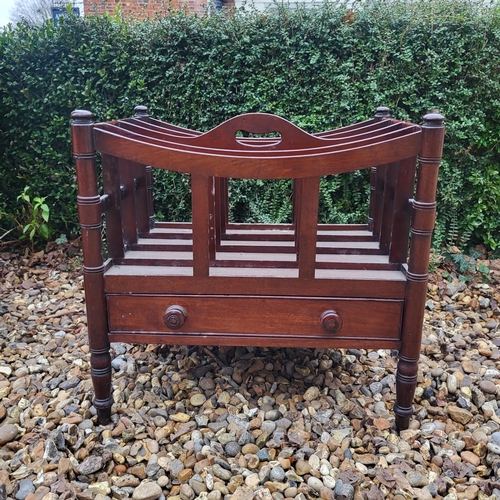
point(464, 267)
point(320, 68)
point(33, 221)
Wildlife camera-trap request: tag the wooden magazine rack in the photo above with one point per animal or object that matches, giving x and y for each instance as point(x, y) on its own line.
point(212, 282)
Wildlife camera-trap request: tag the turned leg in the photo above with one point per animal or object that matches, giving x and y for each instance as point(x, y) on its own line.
point(406, 383)
point(89, 214)
point(100, 358)
point(422, 224)
point(100, 366)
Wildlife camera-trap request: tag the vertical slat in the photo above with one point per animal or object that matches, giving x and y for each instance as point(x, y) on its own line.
point(89, 214)
point(379, 199)
point(307, 228)
point(382, 112)
point(224, 204)
point(391, 175)
point(127, 171)
point(211, 218)
point(422, 224)
point(201, 214)
point(217, 211)
point(398, 251)
point(111, 187)
point(141, 113)
point(149, 187)
point(141, 199)
point(373, 187)
point(297, 197)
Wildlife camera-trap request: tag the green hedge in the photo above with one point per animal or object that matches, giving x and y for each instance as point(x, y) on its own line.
point(320, 68)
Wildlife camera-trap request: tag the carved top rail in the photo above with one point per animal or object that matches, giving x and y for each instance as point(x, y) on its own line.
point(292, 153)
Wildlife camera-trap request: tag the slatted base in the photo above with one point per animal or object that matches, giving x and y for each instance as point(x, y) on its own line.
point(262, 247)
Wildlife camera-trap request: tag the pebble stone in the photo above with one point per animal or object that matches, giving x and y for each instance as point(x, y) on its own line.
point(488, 386)
point(26, 487)
point(277, 474)
point(232, 449)
point(315, 483)
point(417, 479)
point(311, 394)
point(7, 433)
point(344, 491)
point(241, 423)
point(147, 491)
point(198, 399)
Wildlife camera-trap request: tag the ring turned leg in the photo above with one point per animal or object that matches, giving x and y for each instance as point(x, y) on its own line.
point(406, 383)
point(422, 224)
point(100, 369)
point(89, 214)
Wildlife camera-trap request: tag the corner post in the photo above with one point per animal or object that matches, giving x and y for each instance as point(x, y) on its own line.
point(422, 224)
point(381, 113)
point(89, 214)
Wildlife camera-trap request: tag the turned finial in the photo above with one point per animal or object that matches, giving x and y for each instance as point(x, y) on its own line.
point(81, 116)
point(141, 111)
point(433, 120)
point(383, 112)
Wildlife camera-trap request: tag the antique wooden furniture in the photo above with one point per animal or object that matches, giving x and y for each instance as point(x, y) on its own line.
point(212, 282)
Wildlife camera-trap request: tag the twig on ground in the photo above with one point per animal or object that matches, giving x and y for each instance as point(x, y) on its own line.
point(206, 350)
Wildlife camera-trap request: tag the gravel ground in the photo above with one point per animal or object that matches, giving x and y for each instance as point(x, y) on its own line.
point(242, 423)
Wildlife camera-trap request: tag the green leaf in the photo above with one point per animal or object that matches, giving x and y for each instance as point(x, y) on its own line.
point(44, 231)
point(483, 269)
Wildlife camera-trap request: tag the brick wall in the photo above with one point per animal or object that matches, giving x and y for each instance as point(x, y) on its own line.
point(146, 8)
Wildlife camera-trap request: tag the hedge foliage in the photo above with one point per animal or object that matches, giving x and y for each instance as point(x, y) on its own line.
point(320, 68)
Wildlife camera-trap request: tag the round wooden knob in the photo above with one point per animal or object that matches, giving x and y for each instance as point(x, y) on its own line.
point(331, 321)
point(175, 317)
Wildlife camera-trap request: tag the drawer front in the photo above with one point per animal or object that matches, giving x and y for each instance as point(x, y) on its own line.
point(289, 316)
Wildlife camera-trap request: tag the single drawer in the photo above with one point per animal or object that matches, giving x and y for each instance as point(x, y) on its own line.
point(238, 315)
